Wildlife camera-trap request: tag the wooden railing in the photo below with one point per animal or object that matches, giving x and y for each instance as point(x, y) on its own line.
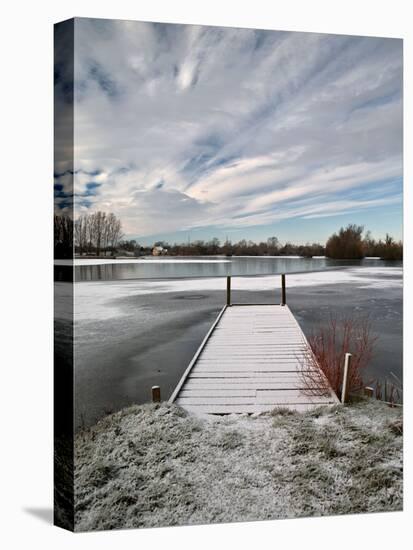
point(283, 291)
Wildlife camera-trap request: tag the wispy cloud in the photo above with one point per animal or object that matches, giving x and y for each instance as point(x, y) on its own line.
point(188, 126)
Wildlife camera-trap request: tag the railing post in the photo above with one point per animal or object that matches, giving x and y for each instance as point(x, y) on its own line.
point(228, 291)
point(283, 292)
point(369, 391)
point(156, 394)
point(347, 362)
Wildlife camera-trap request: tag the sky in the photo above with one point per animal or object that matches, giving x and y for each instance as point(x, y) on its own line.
point(191, 132)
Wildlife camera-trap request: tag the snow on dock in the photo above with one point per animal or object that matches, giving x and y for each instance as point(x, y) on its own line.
point(253, 359)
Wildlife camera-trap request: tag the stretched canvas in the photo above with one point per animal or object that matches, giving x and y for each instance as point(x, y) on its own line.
point(228, 274)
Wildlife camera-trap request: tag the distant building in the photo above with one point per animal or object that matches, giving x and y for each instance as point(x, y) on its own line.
point(159, 251)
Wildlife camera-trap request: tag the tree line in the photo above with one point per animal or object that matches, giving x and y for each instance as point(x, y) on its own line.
point(270, 247)
point(100, 233)
point(347, 244)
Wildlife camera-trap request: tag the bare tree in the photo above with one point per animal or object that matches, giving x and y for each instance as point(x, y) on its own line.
point(99, 229)
point(81, 233)
point(114, 231)
point(272, 245)
point(97, 232)
point(63, 236)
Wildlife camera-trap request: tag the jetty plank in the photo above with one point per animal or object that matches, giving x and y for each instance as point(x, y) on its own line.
point(254, 358)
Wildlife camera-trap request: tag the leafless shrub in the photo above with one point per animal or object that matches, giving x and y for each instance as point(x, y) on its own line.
point(313, 379)
point(328, 347)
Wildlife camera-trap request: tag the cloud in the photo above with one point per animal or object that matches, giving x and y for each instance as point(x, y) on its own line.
point(148, 210)
point(189, 126)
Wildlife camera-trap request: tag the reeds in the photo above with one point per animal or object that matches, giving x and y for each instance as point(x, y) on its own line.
point(389, 391)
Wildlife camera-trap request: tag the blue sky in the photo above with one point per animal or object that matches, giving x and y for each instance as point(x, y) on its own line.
point(191, 131)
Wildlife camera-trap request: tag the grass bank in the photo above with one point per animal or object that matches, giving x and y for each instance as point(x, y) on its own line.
point(154, 465)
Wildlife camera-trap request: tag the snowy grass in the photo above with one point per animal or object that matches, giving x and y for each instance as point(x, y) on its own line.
point(155, 465)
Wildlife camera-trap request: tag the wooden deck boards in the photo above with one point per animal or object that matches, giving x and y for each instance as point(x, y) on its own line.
point(252, 360)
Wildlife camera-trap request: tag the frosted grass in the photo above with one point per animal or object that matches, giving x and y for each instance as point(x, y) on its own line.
point(152, 466)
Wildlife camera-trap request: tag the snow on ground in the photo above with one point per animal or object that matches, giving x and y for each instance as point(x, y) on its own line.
point(154, 465)
point(97, 299)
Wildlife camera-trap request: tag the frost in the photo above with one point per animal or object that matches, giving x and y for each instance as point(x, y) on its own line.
point(155, 465)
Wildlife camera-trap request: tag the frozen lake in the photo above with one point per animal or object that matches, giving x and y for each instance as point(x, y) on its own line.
point(132, 334)
point(101, 269)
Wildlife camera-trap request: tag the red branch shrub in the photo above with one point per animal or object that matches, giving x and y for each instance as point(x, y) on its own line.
point(329, 346)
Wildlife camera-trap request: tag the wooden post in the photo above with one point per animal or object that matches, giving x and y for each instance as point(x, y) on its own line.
point(347, 362)
point(368, 391)
point(156, 394)
point(228, 291)
point(283, 293)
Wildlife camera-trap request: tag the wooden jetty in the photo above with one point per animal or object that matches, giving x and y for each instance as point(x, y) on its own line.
point(254, 358)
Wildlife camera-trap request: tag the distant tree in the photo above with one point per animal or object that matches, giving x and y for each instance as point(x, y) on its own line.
point(114, 231)
point(227, 248)
point(63, 236)
point(129, 246)
point(347, 244)
point(288, 249)
point(263, 248)
point(310, 250)
point(213, 247)
point(81, 235)
point(99, 228)
point(272, 245)
point(97, 232)
point(240, 248)
point(390, 249)
point(369, 245)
